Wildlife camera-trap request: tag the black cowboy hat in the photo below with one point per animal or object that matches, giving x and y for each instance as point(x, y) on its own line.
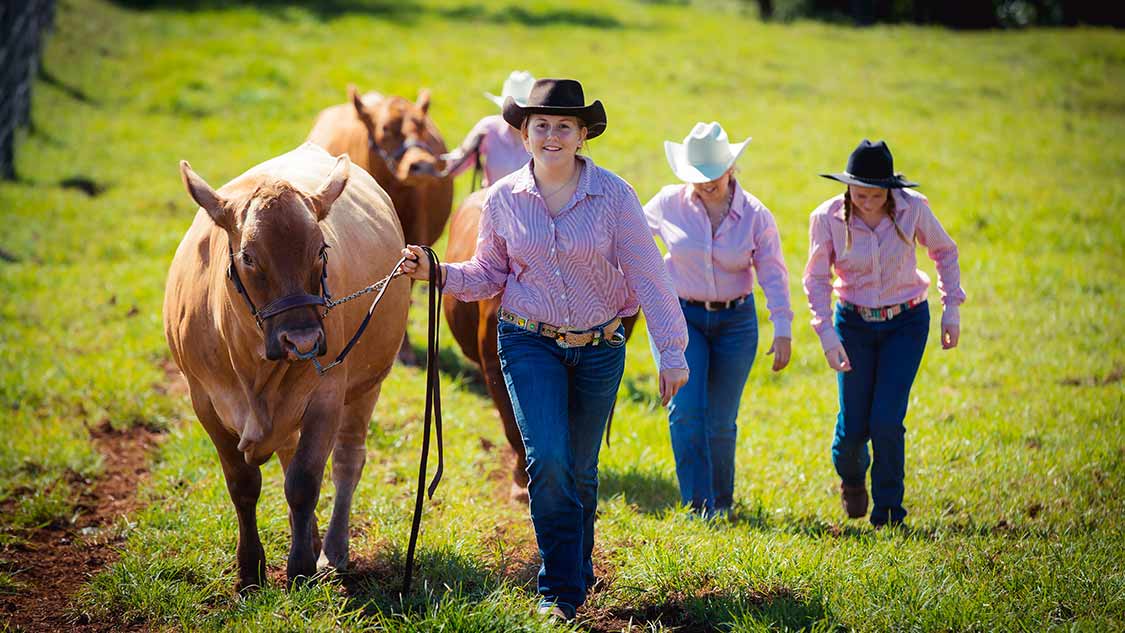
point(560, 97)
point(871, 165)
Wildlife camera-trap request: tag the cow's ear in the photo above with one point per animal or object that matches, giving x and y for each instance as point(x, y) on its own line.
point(357, 101)
point(423, 102)
point(206, 197)
point(332, 188)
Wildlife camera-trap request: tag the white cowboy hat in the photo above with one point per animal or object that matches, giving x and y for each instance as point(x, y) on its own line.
point(704, 155)
point(517, 86)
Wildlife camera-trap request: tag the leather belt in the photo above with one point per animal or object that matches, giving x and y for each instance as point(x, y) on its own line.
point(885, 313)
point(563, 337)
point(715, 306)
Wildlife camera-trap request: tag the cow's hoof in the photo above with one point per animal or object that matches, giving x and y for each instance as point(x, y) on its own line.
point(519, 493)
point(247, 586)
point(325, 563)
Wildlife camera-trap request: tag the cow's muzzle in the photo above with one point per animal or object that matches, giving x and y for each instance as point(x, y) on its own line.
point(304, 344)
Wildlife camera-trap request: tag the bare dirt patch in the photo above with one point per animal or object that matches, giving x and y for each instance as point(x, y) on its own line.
point(52, 563)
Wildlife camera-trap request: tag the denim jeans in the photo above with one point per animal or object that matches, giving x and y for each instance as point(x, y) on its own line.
point(561, 398)
point(885, 356)
point(702, 415)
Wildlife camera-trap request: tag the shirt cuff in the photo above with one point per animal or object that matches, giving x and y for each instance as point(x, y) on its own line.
point(783, 329)
point(951, 315)
point(673, 359)
point(829, 339)
point(453, 280)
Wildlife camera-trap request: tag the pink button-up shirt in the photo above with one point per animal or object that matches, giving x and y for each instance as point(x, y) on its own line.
point(501, 147)
point(880, 269)
point(720, 267)
point(591, 262)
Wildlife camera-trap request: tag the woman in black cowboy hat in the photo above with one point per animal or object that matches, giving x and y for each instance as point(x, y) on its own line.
point(567, 244)
point(875, 339)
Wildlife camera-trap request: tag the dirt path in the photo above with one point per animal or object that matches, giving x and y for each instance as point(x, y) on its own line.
point(55, 561)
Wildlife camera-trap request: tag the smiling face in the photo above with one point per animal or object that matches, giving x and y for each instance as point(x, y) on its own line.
point(714, 191)
point(553, 140)
point(868, 200)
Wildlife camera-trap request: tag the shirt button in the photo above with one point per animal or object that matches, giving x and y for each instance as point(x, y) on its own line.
point(552, 249)
point(552, 225)
point(558, 273)
point(563, 297)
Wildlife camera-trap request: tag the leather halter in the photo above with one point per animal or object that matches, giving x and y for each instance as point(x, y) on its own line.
point(391, 159)
point(286, 303)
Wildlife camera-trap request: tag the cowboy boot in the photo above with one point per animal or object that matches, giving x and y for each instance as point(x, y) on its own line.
point(854, 500)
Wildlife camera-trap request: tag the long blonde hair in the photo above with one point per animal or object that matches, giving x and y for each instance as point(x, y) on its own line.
point(888, 206)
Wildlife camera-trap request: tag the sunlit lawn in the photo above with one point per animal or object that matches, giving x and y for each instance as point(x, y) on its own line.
point(1016, 440)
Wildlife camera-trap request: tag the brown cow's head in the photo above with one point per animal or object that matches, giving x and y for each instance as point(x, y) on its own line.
point(401, 139)
point(277, 242)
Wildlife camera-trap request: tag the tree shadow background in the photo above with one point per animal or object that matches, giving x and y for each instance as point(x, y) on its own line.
point(395, 10)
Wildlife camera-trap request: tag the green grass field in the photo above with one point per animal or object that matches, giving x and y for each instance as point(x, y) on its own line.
point(1016, 440)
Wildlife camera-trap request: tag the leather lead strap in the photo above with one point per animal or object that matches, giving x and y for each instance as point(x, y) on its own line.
point(433, 412)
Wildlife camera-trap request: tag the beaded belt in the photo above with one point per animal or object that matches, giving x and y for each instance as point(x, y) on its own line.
point(715, 306)
point(885, 313)
point(563, 337)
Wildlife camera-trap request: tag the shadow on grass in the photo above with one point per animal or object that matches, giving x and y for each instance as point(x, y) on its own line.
point(778, 608)
point(514, 14)
point(650, 492)
point(376, 586)
point(405, 11)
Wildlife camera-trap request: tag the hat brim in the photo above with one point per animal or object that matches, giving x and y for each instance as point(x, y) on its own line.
point(694, 173)
point(592, 115)
point(499, 101)
point(894, 182)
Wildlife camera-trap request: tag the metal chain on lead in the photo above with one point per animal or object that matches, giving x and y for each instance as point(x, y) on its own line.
point(378, 285)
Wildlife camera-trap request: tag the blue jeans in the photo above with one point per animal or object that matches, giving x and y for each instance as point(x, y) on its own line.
point(702, 415)
point(885, 356)
point(561, 399)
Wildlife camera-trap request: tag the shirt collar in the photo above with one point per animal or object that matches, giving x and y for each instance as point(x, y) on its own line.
point(738, 202)
point(590, 182)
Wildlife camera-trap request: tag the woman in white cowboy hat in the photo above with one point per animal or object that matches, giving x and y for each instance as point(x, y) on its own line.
point(493, 145)
point(565, 241)
point(875, 338)
point(718, 235)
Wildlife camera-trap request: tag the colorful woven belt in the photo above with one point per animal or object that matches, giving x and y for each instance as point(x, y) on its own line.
point(885, 313)
point(564, 337)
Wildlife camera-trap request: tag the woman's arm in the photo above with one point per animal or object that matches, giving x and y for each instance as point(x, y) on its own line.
point(817, 280)
point(481, 277)
point(943, 250)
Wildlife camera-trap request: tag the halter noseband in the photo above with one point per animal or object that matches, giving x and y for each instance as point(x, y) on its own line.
point(392, 159)
point(286, 303)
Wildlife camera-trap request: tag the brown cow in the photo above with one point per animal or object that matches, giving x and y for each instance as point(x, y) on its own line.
point(253, 397)
point(474, 327)
point(395, 141)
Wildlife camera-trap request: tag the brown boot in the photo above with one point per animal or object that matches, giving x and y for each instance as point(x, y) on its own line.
point(854, 500)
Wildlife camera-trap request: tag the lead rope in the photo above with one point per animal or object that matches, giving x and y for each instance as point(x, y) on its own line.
point(433, 406)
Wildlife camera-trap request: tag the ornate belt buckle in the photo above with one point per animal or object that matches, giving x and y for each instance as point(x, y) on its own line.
point(560, 340)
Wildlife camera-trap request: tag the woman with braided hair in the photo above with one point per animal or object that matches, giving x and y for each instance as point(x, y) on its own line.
point(875, 338)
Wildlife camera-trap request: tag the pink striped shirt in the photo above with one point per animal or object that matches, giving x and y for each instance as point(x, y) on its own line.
point(720, 267)
point(880, 269)
point(500, 146)
point(593, 261)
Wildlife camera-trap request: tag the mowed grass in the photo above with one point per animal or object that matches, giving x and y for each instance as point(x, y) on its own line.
point(1016, 440)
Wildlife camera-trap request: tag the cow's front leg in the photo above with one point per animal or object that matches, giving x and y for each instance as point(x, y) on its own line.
point(302, 485)
point(244, 483)
point(348, 459)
